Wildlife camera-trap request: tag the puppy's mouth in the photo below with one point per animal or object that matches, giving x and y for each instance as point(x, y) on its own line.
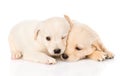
point(55, 55)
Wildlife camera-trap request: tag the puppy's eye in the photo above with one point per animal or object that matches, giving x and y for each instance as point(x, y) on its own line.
point(77, 48)
point(48, 38)
point(63, 37)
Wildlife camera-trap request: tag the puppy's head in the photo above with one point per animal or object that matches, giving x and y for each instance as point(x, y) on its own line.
point(52, 33)
point(78, 44)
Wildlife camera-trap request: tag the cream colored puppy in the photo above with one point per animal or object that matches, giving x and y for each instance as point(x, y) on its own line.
point(84, 42)
point(37, 41)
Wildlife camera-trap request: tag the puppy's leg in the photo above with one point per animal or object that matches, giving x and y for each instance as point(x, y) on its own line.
point(98, 56)
point(100, 47)
point(15, 54)
point(38, 57)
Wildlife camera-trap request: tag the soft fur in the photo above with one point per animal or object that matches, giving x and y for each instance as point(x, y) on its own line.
point(28, 39)
point(83, 42)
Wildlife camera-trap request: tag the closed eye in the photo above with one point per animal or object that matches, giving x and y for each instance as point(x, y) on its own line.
point(78, 48)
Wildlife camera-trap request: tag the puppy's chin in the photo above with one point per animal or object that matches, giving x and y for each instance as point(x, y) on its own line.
point(54, 55)
point(51, 53)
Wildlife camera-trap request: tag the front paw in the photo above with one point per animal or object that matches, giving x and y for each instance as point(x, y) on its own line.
point(101, 56)
point(109, 55)
point(98, 56)
point(16, 55)
point(50, 61)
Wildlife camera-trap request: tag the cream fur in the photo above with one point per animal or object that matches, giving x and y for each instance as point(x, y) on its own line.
point(88, 42)
point(28, 39)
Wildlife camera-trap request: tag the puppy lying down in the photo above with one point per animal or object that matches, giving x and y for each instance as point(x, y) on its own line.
point(84, 42)
point(38, 41)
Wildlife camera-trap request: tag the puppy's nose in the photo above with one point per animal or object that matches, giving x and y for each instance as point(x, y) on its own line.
point(57, 51)
point(64, 56)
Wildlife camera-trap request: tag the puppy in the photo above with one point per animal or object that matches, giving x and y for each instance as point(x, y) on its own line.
point(84, 42)
point(37, 41)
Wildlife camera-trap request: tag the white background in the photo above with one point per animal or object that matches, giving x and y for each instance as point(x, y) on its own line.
point(101, 15)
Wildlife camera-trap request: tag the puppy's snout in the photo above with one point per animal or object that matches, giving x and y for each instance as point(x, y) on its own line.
point(57, 51)
point(64, 56)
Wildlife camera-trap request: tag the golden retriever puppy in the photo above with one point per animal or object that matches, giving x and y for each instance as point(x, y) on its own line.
point(84, 42)
point(38, 41)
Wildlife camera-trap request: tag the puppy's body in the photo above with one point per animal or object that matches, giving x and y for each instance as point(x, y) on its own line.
point(84, 42)
point(22, 35)
point(28, 40)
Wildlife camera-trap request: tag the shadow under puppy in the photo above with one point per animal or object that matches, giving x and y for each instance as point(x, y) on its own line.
point(83, 42)
point(38, 41)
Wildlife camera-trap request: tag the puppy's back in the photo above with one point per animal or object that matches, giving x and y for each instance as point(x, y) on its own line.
point(23, 33)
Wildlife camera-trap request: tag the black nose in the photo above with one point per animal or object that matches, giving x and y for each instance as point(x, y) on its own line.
point(57, 51)
point(64, 56)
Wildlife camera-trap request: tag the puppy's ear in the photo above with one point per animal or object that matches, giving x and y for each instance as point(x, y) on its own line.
point(69, 21)
point(36, 32)
point(89, 51)
point(98, 46)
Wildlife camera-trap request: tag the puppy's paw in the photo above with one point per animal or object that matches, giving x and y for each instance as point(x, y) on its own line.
point(16, 55)
point(109, 55)
point(98, 56)
point(50, 60)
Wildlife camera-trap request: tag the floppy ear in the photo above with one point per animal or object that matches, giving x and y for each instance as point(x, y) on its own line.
point(69, 21)
point(36, 32)
point(89, 51)
point(71, 25)
point(99, 46)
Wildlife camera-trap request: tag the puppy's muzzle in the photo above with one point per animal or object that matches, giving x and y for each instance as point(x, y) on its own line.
point(64, 56)
point(57, 51)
